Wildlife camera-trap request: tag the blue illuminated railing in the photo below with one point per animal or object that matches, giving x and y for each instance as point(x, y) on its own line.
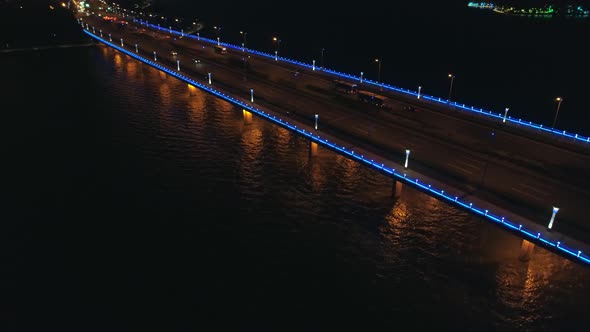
point(559, 133)
point(453, 200)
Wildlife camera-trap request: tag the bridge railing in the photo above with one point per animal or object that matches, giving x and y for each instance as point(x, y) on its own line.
point(414, 93)
point(528, 234)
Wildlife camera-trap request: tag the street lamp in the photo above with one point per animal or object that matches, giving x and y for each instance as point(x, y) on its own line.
point(452, 77)
point(559, 100)
point(407, 156)
point(379, 72)
point(243, 33)
point(555, 209)
point(505, 113)
point(218, 29)
point(419, 89)
point(277, 43)
point(316, 121)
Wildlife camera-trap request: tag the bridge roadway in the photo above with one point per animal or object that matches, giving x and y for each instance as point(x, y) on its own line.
point(512, 170)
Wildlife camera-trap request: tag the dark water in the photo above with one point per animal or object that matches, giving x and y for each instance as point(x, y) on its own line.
point(139, 206)
point(498, 61)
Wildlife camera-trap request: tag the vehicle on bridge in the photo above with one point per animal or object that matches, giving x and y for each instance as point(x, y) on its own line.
point(220, 49)
point(372, 98)
point(344, 86)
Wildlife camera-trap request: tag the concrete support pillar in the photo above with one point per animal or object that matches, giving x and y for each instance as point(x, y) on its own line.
point(247, 117)
point(313, 149)
point(526, 250)
point(397, 189)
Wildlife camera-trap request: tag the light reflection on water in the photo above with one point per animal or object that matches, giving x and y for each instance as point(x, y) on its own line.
point(461, 262)
point(307, 233)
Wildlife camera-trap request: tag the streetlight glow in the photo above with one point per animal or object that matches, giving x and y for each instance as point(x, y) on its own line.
point(407, 156)
point(555, 209)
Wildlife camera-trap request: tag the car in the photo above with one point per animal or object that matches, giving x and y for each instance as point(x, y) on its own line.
point(197, 60)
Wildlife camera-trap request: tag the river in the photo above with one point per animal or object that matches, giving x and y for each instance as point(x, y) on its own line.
point(143, 207)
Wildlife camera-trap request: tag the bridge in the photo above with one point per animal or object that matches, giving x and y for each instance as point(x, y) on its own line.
point(528, 179)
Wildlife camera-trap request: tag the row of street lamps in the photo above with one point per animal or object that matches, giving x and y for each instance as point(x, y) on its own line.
point(316, 116)
point(452, 77)
point(379, 61)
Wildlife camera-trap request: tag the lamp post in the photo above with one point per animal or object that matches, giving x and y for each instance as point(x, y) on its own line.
point(505, 113)
point(316, 121)
point(555, 209)
point(277, 42)
point(361, 81)
point(209, 74)
point(419, 89)
point(378, 70)
point(452, 77)
point(243, 33)
point(322, 58)
point(407, 156)
point(251, 95)
point(178, 65)
point(155, 59)
point(122, 42)
point(136, 49)
point(313, 65)
point(559, 100)
point(218, 29)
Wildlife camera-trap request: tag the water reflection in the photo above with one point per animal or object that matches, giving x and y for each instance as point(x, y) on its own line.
point(439, 258)
point(132, 68)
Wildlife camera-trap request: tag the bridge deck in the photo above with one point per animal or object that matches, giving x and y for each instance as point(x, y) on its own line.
point(456, 161)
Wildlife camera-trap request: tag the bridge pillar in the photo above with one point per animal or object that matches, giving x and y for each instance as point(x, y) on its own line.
point(397, 189)
point(247, 117)
point(313, 149)
point(526, 250)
